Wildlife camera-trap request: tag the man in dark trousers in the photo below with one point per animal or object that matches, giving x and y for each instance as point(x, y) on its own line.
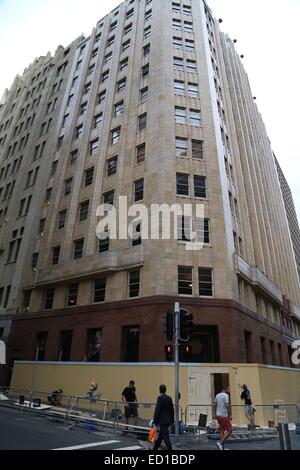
point(130, 399)
point(163, 418)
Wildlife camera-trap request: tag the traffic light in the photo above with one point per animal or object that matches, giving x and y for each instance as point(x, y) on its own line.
point(186, 325)
point(186, 353)
point(169, 353)
point(169, 325)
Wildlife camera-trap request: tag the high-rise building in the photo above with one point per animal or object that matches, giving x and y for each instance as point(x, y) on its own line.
point(154, 105)
point(290, 212)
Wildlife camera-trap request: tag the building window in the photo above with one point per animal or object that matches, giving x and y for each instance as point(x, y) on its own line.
point(101, 97)
point(78, 131)
point(195, 117)
point(191, 66)
point(73, 157)
point(94, 147)
point(126, 45)
point(177, 24)
point(181, 147)
point(130, 344)
point(65, 347)
point(124, 64)
point(140, 153)
point(139, 190)
point(55, 255)
point(41, 343)
point(83, 108)
point(263, 350)
point(128, 29)
point(188, 27)
point(197, 149)
point(248, 346)
point(72, 295)
point(87, 88)
point(182, 181)
point(200, 189)
point(180, 115)
point(105, 76)
point(99, 290)
point(115, 135)
point(144, 93)
point(142, 122)
point(134, 283)
point(112, 165)
point(205, 282)
point(78, 248)
point(108, 58)
point(147, 50)
point(62, 219)
point(185, 280)
point(93, 346)
point(83, 211)
point(49, 298)
point(108, 198)
point(68, 186)
point(88, 177)
point(104, 241)
point(136, 234)
point(147, 32)
point(203, 230)
point(177, 42)
point(119, 109)
point(145, 71)
point(179, 87)
point(184, 226)
point(193, 90)
point(98, 120)
point(121, 85)
point(34, 262)
point(189, 45)
point(178, 63)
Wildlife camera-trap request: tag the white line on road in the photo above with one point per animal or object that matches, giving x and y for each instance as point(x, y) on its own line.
point(129, 448)
point(86, 446)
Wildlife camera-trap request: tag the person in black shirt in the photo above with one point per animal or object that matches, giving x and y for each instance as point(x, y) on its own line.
point(130, 400)
point(163, 418)
point(249, 408)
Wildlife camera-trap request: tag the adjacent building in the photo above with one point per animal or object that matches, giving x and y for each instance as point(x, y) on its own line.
point(154, 105)
point(290, 212)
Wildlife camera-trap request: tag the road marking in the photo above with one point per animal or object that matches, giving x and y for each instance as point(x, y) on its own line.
point(86, 446)
point(129, 448)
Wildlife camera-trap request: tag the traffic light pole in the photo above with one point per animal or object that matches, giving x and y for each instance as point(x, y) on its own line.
point(176, 352)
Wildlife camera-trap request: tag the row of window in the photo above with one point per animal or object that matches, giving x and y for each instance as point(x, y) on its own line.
point(185, 287)
point(92, 353)
point(98, 292)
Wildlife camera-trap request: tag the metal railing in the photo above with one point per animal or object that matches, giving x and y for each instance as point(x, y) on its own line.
point(95, 411)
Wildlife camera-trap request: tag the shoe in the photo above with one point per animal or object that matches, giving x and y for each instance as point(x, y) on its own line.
point(219, 445)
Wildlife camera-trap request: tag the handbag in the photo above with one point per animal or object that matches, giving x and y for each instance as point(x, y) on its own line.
point(152, 435)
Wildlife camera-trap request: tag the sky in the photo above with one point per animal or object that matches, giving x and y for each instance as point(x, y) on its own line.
point(268, 36)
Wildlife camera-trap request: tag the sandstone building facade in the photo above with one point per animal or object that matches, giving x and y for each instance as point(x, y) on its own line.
point(154, 105)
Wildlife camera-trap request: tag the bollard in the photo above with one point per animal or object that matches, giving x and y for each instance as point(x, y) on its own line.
point(284, 436)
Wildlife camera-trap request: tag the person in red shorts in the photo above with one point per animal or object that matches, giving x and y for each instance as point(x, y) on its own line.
point(223, 416)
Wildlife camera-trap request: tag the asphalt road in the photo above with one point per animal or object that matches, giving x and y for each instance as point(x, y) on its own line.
point(20, 431)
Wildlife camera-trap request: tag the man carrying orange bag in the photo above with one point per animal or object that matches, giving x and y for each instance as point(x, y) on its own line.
point(163, 418)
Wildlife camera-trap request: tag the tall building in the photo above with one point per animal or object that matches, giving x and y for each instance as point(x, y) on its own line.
point(154, 105)
point(290, 212)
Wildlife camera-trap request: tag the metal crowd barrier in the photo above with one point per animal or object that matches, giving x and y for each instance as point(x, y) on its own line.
point(93, 411)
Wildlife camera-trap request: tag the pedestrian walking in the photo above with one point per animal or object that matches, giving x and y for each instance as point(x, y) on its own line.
point(223, 416)
point(163, 418)
point(249, 408)
point(131, 405)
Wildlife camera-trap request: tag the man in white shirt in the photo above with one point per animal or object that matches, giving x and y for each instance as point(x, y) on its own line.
point(223, 416)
